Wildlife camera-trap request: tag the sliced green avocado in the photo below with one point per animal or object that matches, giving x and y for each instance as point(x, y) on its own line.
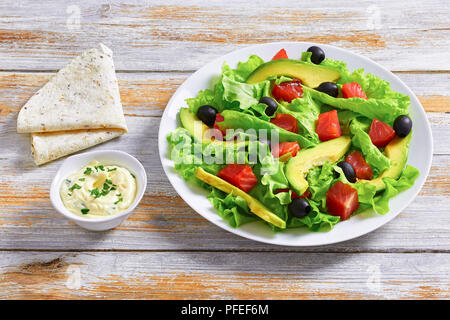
point(298, 166)
point(397, 152)
point(255, 206)
point(311, 75)
point(194, 125)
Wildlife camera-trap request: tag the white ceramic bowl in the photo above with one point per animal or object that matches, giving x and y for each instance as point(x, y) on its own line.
point(420, 152)
point(107, 157)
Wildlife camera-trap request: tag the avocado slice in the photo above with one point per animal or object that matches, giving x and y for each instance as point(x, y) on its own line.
point(197, 128)
point(255, 206)
point(311, 75)
point(397, 152)
point(194, 125)
point(298, 166)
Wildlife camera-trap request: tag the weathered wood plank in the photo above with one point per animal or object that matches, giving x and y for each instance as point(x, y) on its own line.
point(223, 275)
point(147, 94)
point(164, 222)
point(142, 94)
point(167, 35)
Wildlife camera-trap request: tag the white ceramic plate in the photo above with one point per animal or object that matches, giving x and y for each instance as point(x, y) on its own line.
point(420, 152)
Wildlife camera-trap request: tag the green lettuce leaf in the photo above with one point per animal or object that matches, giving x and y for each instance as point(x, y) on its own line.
point(233, 209)
point(306, 111)
point(361, 140)
point(239, 120)
point(241, 94)
point(188, 154)
point(277, 203)
point(373, 86)
point(379, 202)
point(276, 181)
point(279, 79)
point(258, 110)
point(232, 93)
point(316, 220)
point(204, 97)
point(383, 104)
point(339, 66)
point(230, 90)
point(386, 110)
point(320, 179)
point(393, 187)
point(243, 70)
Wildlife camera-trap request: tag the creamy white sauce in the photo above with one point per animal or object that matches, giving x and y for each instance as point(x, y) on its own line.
point(98, 191)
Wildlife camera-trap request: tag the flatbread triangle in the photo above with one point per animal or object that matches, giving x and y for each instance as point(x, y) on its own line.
point(78, 108)
point(49, 146)
point(82, 95)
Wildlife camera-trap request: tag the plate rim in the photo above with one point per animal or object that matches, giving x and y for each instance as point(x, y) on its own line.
point(272, 241)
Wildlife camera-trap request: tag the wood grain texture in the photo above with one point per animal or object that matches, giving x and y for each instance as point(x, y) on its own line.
point(147, 94)
point(164, 221)
point(224, 275)
point(143, 34)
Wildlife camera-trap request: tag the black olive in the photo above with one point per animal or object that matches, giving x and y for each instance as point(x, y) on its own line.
point(207, 114)
point(348, 171)
point(299, 207)
point(271, 105)
point(317, 54)
point(330, 88)
point(402, 126)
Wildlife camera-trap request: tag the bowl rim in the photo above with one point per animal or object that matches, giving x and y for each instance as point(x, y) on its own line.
point(272, 241)
point(60, 176)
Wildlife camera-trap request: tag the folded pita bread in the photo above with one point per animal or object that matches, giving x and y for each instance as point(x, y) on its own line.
point(49, 146)
point(78, 108)
point(82, 95)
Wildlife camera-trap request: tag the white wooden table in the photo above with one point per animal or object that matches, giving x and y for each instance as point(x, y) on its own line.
point(165, 250)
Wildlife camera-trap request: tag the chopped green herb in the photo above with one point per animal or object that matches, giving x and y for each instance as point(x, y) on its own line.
point(84, 211)
point(82, 179)
point(75, 186)
point(120, 200)
point(95, 193)
point(102, 168)
point(69, 194)
point(113, 169)
point(133, 175)
point(119, 194)
point(108, 181)
point(88, 171)
point(68, 181)
point(106, 189)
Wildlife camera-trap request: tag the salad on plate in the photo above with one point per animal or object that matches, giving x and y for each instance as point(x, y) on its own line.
point(295, 142)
